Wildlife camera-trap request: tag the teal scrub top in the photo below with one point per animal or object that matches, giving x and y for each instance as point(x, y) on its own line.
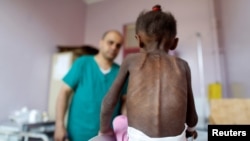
point(90, 86)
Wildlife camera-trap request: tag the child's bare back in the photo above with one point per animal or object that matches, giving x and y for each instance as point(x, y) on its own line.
point(158, 93)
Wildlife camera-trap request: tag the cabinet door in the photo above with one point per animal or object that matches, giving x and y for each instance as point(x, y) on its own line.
point(61, 63)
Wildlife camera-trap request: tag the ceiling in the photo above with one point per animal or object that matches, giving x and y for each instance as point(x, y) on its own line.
point(88, 2)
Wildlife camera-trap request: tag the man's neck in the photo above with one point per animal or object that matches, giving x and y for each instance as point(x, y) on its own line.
point(103, 62)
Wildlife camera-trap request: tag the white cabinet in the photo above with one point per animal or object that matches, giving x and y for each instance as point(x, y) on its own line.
point(61, 63)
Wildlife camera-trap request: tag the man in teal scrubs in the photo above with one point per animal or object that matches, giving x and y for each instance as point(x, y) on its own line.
point(89, 79)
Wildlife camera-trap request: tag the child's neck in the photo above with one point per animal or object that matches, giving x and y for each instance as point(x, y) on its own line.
point(154, 47)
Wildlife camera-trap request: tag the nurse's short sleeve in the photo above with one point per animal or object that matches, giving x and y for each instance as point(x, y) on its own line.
point(73, 76)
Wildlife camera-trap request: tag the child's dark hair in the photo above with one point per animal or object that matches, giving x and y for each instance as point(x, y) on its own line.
point(157, 24)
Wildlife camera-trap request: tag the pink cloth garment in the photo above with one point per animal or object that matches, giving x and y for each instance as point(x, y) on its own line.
point(120, 124)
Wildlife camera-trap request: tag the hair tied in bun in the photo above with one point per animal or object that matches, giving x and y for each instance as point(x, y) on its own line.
point(156, 8)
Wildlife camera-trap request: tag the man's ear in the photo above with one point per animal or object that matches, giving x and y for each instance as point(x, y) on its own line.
point(174, 44)
point(138, 38)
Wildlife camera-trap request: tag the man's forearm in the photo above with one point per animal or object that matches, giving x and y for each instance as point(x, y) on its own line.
point(61, 108)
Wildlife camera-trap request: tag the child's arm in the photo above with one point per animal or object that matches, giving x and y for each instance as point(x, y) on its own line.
point(191, 117)
point(112, 98)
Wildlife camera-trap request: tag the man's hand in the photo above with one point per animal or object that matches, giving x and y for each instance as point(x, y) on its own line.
point(60, 134)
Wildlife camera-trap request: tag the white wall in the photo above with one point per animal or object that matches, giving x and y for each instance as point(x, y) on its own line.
point(30, 31)
point(234, 31)
point(192, 16)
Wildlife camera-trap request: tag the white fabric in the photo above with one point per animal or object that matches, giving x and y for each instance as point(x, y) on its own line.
point(191, 129)
point(105, 71)
point(136, 135)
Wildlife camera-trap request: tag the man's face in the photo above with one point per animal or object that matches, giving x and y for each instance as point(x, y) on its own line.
point(110, 45)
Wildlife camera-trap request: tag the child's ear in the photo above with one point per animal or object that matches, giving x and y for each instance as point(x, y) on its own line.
point(138, 37)
point(174, 44)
